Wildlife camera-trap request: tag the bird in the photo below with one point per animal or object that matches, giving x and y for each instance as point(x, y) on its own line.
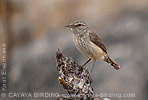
point(89, 44)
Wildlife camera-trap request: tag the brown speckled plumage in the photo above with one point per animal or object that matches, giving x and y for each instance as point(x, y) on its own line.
point(89, 43)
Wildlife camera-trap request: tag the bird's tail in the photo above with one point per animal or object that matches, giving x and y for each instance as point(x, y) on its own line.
point(111, 62)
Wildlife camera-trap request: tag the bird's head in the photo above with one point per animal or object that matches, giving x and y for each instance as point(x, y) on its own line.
point(79, 26)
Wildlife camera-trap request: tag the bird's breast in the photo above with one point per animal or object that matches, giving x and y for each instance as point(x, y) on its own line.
point(87, 48)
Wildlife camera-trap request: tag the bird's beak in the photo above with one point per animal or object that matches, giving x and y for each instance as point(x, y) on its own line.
point(70, 26)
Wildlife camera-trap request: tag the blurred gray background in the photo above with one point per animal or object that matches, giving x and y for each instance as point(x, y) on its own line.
point(34, 29)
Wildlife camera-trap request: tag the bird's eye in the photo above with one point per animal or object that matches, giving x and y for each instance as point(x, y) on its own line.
point(79, 25)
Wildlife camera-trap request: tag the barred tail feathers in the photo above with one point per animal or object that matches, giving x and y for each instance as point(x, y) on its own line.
point(112, 63)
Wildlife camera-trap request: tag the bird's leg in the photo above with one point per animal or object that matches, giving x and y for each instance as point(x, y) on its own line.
point(94, 61)
point(83, 66)
point(86, 62)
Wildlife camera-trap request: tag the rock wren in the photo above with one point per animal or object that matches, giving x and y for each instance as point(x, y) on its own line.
point(89, 44)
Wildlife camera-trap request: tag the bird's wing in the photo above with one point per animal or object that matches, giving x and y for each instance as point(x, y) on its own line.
point(97, 41)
